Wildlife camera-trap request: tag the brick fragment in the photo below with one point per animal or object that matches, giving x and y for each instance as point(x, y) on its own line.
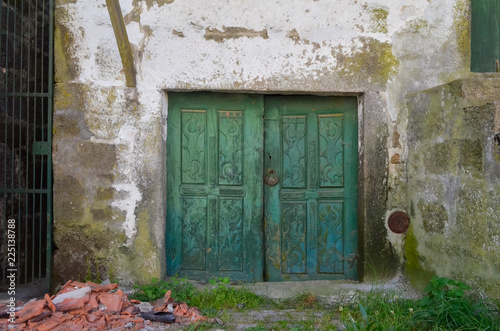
point(29, 311)
point(112, 301)
point(48, 325)
point(184, 308)
point(73, 303)
point(128, 310)
point(101, 288)
point(78, 284)
point(50, 304)
point(45, 314)
point(92, 304)
point(66, 288)
point(161, 303)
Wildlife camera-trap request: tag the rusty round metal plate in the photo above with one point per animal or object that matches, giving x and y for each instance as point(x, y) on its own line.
point(399, 222)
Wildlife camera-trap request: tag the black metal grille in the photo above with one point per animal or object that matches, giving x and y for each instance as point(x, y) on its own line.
point(26, 87)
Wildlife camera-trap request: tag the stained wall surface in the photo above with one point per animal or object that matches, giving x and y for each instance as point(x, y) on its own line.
point(109, 139)
point(454, 183)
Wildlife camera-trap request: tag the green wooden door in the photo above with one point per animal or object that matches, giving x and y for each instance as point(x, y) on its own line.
point(217, 202)
point(214, 186)
point(310, 214)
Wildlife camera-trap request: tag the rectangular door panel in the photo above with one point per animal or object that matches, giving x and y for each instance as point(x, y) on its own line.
point(230, 234)
point(194, 233)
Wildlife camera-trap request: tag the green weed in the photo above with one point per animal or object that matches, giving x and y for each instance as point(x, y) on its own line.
point(90, 277)
point(210, 300)
point(445, 306)
point(224, 296)
point(181, 289)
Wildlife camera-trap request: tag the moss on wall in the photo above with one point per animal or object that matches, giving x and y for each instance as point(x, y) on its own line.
point(378, 18)
point(65, 61)
point(454, 184)
point(414, 269)
point(374, 60)
point(461, 25)
point(98, 211)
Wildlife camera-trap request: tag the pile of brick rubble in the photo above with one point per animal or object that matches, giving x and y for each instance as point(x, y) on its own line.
point(90, 306)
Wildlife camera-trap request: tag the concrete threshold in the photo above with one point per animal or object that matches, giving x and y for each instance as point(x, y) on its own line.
point(330, 291)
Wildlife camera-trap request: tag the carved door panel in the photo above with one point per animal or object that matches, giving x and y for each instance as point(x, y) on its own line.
point(214, 186)
point(310, 213)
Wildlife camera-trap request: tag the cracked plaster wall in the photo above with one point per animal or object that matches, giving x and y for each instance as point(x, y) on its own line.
point(110, 138)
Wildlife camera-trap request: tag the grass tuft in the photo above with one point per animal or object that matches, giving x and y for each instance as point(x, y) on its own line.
point(210, 300)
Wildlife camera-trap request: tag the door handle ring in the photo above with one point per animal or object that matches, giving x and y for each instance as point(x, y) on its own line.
point(271, 177)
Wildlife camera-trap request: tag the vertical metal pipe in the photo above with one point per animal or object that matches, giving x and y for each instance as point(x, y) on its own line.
point(42, 24)
point(49, 133)
point(13, 78)
point(21, 120)
point(3, 200)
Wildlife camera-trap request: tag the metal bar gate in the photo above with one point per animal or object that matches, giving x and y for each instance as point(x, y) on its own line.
point(26, 89)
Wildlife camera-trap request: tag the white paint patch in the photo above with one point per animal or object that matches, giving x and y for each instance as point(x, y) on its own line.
point(128, 205)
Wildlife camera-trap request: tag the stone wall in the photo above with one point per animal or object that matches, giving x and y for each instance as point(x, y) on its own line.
point(109, 140)
point(454, 183)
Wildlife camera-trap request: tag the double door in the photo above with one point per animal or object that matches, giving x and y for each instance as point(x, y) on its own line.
point(261, 187)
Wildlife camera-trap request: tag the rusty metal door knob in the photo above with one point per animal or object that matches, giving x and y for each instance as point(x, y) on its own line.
point(271, 178)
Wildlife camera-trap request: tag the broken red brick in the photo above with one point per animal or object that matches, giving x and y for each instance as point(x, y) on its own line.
point(50, 303)
point(128, 310)
point(101, 288)
point(72, 303)
point(48, 325)
point(92, 304)
point(135, 301)
point(77, 284)
point(108, 287)
point(161, 303)
point(112, 301)
point(20, 327)
point(29, 311)
point(184, 308)
point(45, 314)
point(66, 288)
